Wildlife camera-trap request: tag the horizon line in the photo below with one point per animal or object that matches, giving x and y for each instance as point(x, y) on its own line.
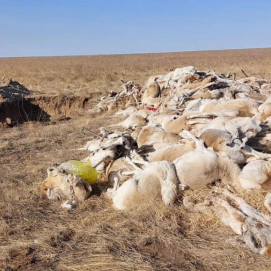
point(168, 52)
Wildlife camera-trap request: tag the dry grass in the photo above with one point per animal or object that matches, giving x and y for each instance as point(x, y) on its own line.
point(36, 234)
point(84, 74)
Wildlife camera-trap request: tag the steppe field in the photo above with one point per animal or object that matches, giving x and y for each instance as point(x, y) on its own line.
point(37, 234)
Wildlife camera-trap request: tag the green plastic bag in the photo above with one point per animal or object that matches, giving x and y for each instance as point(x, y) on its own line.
point(82, 169)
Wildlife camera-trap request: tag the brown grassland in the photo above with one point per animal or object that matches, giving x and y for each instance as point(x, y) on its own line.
point(37, 234)
point(83, 74)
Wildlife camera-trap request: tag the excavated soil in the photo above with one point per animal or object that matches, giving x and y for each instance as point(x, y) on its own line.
point(44, 108)
point(19, 105)
point(12, 90)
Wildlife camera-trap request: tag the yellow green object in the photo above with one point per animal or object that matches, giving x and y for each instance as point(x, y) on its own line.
point(82, 169)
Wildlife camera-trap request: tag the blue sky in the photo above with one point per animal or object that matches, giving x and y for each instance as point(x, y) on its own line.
point(65, 27)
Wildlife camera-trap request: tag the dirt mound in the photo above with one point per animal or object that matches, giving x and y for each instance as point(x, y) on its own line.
point(14, 108)
point(12, 91)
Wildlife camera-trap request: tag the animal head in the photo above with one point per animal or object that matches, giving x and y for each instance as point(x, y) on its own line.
point(168, 119)
point(103, 157)
point(169, 195)
point(51, 182)
point(169, 182)
point(59, 185)
point(253, 127)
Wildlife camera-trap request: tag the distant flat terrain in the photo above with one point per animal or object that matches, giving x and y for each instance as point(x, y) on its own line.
point(73, 74)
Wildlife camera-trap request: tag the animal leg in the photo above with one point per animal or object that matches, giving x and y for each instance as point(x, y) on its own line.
point(141, 162)
point(101, 161)
point(229, 194)
point(244, 141)
point(235, 213)
point(199, 143)
point(247, 150)
point(196, 104)
point(115, 187)
point(128, 173)
point(132, 164)
point(246, 208)
point(136, 155)
point(134, 96)
point(181, 102)
point(192, 122)
point(182, 187)
point(202, 115)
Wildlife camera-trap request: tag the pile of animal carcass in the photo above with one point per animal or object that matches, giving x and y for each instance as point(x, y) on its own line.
point(185, 130)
